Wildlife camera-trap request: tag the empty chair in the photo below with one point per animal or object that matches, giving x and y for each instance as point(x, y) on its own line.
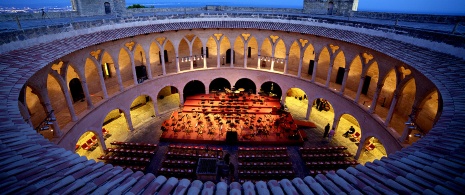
point(369, 147)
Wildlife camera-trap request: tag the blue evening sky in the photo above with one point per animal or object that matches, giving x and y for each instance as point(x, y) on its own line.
point(448, 7)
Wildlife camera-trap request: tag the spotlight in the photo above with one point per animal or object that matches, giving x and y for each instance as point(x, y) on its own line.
point(45, 128)
point(48, 122)
point(409, 123)
point(52, 119)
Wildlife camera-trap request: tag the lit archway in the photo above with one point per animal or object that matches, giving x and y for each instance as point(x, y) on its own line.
point(89, 145)
point(142, 110)
point(168, 99)
point(297, 103)
point(345, 125)
point(92, 76)
point(372, 150)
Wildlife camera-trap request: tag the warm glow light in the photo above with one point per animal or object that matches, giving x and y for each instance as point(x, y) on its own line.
point(105, 67)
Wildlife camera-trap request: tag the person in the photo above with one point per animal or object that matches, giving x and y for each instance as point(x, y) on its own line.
point(322, 105)
point(318, 103)
point(331, 134)
point(350, 131)
point(327, 127)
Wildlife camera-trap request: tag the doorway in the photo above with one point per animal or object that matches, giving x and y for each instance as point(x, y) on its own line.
point(366, 84)
point(76, 90)
point(340, 75)
point(107, 8)
point(228, 56)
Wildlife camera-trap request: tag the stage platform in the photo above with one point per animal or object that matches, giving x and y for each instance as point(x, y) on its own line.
point(236, 119)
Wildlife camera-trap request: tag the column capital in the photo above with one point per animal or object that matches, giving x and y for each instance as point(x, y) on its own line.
point(347, 70)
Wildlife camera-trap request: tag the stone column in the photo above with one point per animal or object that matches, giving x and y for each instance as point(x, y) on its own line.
point(45, 101)
point(272, 60)
point(286, 61)
point(163, 67)
point(204, 57)
point(411, 119)
point(359, 90)
point(259, 60)
point(181, 97)
point(315, 65)
point(149, 67)
point(245, 53)
point(374, 102)
point(177, 63)
point(155, 107)
point(330, 70)
point(218, 55)
point(127, 115)
point(344, 81)
point(190, 57)
point(133, 68)
point(301, 59)
point(118, 76)
point(102, 83)
point(87, 94)
point(232, 55)
point(391, 108)
point(309, 110)
point(69, 103)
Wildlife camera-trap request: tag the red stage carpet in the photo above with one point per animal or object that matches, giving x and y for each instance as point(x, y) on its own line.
point(231, 118)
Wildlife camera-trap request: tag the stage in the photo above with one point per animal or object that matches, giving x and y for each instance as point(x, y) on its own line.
point(232, 118)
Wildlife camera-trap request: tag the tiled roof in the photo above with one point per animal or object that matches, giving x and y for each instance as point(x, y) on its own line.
point(433, 165)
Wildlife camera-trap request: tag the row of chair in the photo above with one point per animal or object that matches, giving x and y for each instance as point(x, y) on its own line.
point(189, 147)
point(134, 145)
point(187, 173)
point(125, 160)
point(341, 164)
point(193, 156)
point(325, 156)
point(130, 152)
point(264, 162)
point(179, 163)
point(314, 150)
point(262, 148)
point(261, 174)
point(264, 165)
point(90, 144)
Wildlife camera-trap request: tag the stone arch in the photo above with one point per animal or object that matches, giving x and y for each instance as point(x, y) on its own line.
point(92, 76)
point(307, 64)
point(125, 67)
point(405, 101)
point(248, 85)
point(265, 54)
point(212, 52)
point(193, 87)
point(254, 48)
point(239, 52)
point(57, 99)
point(296, 100)
point(168, 99)
point(197, 51)
point(294, 58)
point(155, 59)
point(353, 78)
point(109, 74)
point(371, 149)
point(279, 56)
point(140, 63)
point(170, 55)
point(184, 55)
point(337, 72)
point(387, 92)
point(225, 45)
point(35, 108)
point(369, 84)
point(89, 144)
point(427, 114)
point(141, 110)
point(324, 59)
point(218, 84)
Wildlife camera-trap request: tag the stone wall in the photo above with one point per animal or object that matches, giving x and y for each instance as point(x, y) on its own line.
point(211, 8)
point(97, 7)
point(340, 7)
point(411, 17)
point(37, 16)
